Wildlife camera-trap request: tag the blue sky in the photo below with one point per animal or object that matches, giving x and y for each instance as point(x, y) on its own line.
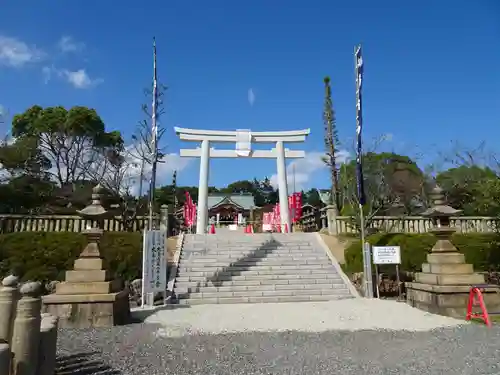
point(431, 70)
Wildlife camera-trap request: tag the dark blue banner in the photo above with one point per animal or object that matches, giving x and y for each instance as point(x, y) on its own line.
point(359, 126)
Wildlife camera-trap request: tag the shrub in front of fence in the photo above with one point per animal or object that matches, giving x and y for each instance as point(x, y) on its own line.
point(482, 250)
point(45, 256)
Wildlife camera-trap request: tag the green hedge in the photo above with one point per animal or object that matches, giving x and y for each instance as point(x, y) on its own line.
point(482, 250)
point(44, 256)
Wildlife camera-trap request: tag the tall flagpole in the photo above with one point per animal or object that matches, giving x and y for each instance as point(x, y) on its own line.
point(358, 66)
point(154, 140)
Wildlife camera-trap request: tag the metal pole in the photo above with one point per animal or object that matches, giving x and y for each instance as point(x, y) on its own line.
point(368, 270)
point(365, 261)
point(376, 281)
point(154, 145)
point(398, 280)
point(144, 265)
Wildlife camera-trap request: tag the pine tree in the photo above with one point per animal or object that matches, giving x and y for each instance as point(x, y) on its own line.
point(331, 144)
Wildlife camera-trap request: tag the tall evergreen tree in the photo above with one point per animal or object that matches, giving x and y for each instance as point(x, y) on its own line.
point(331, 144)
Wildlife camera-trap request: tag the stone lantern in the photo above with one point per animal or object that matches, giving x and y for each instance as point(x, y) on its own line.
point(331, 212)
point(88, 297)
point(445, 281)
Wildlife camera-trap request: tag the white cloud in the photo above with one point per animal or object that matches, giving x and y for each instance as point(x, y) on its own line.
point(251, 97)
point(16, 53)
point(170, 163)
point(68, 44)
point(300, 171)
point(80, 79)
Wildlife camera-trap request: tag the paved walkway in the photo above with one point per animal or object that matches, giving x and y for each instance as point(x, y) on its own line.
point(185, 341)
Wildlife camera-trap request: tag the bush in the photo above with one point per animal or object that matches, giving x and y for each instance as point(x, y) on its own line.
point(482, 250)
point(44, 256)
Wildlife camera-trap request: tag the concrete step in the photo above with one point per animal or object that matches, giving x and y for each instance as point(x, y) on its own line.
point(198, 261)
point(246, 241)
point(236, 256)
point(193, 288)
point(263, 272)
point(244, 250)
point(263, 279)
point(231, 244)
point(265, 293)
point(262, 299)
point(254, 245)
point(261, 266)
point(255, 263)
point(232, 257)
point(253, 269)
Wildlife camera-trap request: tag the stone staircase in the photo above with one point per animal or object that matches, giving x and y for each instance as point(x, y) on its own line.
point(254, 268)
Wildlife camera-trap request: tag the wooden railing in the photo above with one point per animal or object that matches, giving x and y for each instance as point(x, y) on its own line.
point(316, 220)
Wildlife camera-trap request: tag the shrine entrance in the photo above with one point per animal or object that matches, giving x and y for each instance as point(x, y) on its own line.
point(243, 140)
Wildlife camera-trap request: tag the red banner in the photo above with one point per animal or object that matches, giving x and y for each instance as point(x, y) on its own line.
point(189, 211)
point(298, 206)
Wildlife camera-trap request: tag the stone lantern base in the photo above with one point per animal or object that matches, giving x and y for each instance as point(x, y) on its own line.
point(444, 284)
point(448, 300)
point(88, 298)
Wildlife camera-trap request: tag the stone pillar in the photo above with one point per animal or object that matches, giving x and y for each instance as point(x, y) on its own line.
point(48, 345)
point(164, 218)
point(282, 185)
point(26, 334)
point(8, 303)
point(331, 218)
point(4, 359)
point(201, 221)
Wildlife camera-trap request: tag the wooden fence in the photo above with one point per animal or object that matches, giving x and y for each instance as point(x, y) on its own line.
point(315, 220)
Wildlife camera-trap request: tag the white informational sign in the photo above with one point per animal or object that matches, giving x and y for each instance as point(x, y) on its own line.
point(386, 254)
point(155, 264)
point(233, 227)
point(267, 227)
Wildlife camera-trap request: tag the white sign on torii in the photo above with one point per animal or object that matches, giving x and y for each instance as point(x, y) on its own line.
point(243, 140)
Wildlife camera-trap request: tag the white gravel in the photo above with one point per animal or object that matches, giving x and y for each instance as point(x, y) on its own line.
point(350, 314)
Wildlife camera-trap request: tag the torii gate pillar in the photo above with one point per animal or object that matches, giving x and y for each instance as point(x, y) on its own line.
point(243, 140)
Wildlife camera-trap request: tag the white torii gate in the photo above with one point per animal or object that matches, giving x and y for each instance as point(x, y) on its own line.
point(243, 140)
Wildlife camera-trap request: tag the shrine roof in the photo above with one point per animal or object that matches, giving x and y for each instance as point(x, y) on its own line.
point(244, 201)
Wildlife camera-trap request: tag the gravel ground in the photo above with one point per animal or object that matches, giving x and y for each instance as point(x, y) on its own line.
point(344, 337)
point(136, 349)
point(347, 314)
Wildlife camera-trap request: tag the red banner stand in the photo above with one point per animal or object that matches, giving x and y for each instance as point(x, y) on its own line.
point(475, 297)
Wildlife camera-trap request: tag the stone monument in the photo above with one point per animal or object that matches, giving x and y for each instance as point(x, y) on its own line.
point(88, 297)
point(443, 285)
